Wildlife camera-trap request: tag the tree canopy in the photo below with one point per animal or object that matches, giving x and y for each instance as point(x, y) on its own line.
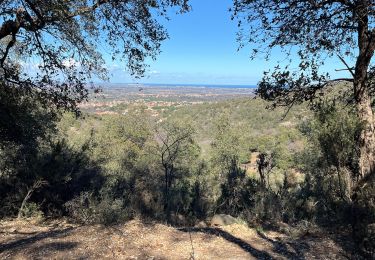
point(316, 30)
point(63, 39)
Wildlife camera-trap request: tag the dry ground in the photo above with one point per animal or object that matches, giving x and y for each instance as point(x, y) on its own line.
point(138, 240)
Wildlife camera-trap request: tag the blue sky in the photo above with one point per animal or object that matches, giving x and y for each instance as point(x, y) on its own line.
point(202, 49)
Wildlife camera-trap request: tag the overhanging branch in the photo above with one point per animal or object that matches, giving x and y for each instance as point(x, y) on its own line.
point(346, 65)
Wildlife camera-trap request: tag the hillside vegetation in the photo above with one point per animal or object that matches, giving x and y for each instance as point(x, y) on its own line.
point(188, 163)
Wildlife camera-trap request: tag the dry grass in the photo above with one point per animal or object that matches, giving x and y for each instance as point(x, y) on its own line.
point(138, 240)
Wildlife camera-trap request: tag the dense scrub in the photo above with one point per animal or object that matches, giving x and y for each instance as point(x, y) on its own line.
point(231, 157)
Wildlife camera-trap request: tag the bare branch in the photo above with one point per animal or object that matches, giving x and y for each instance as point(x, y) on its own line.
point(346, 65)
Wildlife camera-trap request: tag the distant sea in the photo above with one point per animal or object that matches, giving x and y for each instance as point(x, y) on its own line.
point(120, 85)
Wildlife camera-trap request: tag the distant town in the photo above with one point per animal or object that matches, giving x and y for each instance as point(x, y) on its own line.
point(118, 99)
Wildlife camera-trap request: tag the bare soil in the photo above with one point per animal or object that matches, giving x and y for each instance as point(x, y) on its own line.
point(139, 240)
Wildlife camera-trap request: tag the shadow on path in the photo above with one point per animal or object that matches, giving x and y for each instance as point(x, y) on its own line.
point(241, 243)
point(30, 240)
point(298, 248)
point(281, 248)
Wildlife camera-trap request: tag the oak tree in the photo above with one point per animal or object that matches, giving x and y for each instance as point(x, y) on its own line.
point(176, 148)
point(54, 47)
point(316, 30)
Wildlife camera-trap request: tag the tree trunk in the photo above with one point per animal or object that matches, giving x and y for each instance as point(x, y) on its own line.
point(168, 175)
point(366, 45)
point(367, 137)
point(37, 184)
point(27, 197)
point(166, 190)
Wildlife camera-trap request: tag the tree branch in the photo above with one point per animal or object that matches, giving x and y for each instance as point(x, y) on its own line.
point(9, 45)
point(346, 65)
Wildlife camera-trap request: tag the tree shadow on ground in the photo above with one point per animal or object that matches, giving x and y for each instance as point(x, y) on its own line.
point(343, 237)
point(13, 245)
point(241, 243)
point(279, 247)
point(56, 246)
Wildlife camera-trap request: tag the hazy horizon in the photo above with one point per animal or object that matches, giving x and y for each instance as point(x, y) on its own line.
point(178, 85)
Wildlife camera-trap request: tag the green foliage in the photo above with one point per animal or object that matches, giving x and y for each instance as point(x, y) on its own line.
point(23, 119)
point(251, 126)
point(335, 130)
point(177, 152)
point(331, 193)
point(32, 210)
point(122, 160)
point(88, 209)
point(225, 145)
point(65, 38)
point(237, 192)
point(107, 169)
point(330, 161)
point(133, 154)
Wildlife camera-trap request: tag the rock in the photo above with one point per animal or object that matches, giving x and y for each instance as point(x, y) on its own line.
point(179, 219)
point(12, 230)
point(222, 220)
point(201, 224)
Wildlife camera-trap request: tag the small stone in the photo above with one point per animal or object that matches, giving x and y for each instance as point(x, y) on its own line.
point(12, 230)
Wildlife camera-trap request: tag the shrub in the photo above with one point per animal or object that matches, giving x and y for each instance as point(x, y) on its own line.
point(88, 209)
point(32, 210)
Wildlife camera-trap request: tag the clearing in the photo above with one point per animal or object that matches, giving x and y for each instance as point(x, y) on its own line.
point(139, 240)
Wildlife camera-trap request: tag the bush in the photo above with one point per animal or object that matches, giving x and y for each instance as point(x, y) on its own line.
point(88, 209)
point(32, 210)
point(363, 220)
point(237, 192)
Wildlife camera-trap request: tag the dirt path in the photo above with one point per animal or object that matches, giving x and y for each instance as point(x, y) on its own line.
point(136, 240)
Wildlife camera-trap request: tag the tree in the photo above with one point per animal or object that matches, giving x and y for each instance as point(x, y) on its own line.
point(225, 146)
point(331, 159)
point(318, 29)
point(236, 191)
point(63, 38)
point(22, 119)
point(176, 150)
point(265, 165)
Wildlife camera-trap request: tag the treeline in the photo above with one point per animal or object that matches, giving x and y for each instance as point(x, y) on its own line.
point(187, 166)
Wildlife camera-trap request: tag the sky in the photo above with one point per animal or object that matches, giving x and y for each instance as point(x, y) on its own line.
point(202, 49)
